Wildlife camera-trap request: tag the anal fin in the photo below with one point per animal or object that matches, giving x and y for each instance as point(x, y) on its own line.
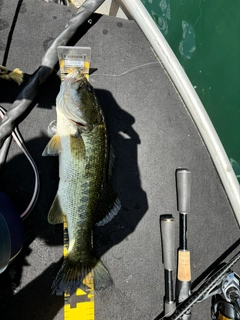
point(55, 214)
point(108, 208)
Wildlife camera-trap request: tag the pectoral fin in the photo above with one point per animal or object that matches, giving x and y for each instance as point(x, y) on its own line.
point(52, 128)
point(55, 214)
point(109, 207)
point(53, 147)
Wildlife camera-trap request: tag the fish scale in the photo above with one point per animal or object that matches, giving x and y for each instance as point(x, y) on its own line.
point(85, 193)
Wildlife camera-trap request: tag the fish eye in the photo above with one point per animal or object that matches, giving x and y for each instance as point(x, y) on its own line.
point(89, 87)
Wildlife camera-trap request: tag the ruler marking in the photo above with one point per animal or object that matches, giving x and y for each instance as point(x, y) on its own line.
point(80, 305)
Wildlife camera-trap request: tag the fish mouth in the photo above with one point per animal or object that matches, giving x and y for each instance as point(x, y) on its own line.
point(79, 124)
point(76, 73)
point(74, 116)
point(77, 120)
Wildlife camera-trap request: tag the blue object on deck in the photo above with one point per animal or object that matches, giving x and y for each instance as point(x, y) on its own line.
point(11, 231)
point(5, 244)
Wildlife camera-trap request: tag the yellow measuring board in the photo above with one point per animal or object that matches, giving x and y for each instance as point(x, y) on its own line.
point(80, 305)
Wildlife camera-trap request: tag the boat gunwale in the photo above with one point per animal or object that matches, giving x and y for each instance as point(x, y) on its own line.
point(139, 13)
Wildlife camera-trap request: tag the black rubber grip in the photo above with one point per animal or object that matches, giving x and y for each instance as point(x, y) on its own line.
point(183, 179)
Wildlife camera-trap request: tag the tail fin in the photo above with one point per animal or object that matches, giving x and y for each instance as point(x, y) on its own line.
point(71, 275)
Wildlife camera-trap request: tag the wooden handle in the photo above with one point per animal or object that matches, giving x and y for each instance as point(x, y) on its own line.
point(184, 266)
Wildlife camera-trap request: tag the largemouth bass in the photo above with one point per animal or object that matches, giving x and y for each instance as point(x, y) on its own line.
point(84, 194)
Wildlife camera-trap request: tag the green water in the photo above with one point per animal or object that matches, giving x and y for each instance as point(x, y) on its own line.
point(205, 37)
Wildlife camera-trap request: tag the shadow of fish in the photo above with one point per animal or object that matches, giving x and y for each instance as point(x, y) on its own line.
point(84, 194)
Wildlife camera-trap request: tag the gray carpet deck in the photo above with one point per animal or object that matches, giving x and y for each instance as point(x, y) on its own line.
point(152, 134)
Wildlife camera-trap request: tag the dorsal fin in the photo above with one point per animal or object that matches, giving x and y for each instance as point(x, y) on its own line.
point(108, 208)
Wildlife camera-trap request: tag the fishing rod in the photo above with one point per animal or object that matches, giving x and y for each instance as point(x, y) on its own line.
point(223, 286)
point(183, 282)
point(205, 290)
point(167, 223)
point(226, 300)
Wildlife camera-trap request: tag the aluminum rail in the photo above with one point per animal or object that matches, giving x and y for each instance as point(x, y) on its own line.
point(138, 12)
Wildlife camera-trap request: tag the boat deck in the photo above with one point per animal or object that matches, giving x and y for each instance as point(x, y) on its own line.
point(152, 135)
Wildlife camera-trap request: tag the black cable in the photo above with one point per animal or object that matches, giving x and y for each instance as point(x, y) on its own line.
point(3, 156)
point(4, 152)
